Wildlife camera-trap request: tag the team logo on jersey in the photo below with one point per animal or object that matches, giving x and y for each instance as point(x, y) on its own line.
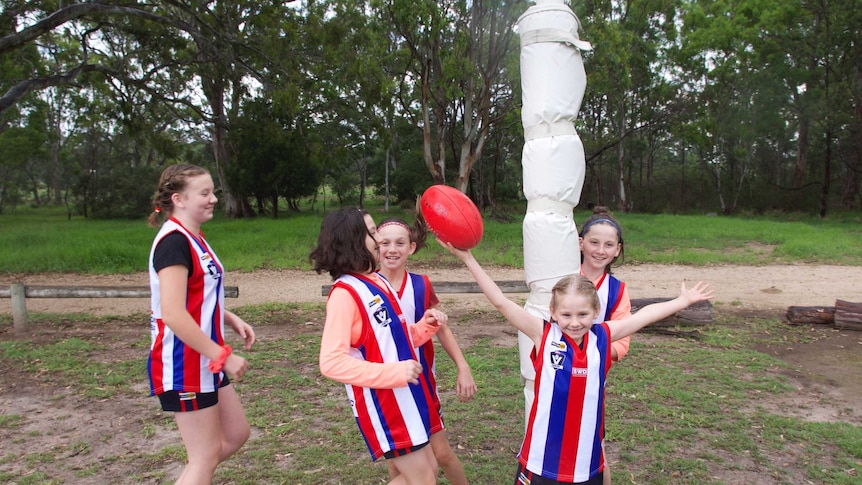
point(559, 345)
point(557, 359)
point(381, 315)
point(210, 266)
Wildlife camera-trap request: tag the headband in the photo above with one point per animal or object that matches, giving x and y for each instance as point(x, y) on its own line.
point(604, 219)
point(393, 223)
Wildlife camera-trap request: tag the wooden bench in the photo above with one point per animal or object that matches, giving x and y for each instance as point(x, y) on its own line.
point(698, 314)
point(19, 293)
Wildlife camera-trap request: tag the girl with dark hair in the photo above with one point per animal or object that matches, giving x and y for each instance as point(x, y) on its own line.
point(368, 345)
point(601, 241)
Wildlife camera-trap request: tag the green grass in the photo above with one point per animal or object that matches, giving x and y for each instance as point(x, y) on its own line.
point(46, 241)
point(678, 410)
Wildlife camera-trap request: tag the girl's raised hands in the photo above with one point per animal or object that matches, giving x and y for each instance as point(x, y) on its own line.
point(699, 292)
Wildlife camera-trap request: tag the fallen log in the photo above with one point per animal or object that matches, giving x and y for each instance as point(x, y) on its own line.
point(19, 293)
point(817, 315)
point(848, 315)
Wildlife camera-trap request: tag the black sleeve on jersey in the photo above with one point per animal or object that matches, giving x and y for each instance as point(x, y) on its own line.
point(173, 249)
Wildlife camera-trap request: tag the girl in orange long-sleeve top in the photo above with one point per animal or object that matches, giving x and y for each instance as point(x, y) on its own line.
point(368, 346)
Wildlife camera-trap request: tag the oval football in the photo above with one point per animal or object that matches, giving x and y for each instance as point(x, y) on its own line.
point(452, 216)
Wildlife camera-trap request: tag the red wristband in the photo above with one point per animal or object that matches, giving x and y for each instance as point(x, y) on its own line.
point(218, 364)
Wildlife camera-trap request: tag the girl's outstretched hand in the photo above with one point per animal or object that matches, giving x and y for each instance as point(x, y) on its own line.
point(434, 316)
point(699, 292)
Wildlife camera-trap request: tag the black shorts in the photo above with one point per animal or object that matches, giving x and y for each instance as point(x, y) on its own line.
point(181, 401)
point(526, 477)
point(403, 451)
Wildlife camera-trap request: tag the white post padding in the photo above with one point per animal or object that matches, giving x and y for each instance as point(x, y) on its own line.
point(553, 82)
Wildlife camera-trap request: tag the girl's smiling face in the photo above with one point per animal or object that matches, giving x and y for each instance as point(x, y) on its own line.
point(574, 314)
point(395, 246)
point(600, 247)
point(197, 201)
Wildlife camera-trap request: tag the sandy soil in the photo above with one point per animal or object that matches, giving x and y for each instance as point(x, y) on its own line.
point(764, 288)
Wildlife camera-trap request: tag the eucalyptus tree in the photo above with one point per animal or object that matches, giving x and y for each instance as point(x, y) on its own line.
point(20, 145)
point(195, 58)
point(354, 85)
point(457, 82)
point(273, 144)
point(774, 78)
point(630, 95)
point(717, 61)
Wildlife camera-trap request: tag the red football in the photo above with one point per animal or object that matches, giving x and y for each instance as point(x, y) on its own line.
point(452, 216)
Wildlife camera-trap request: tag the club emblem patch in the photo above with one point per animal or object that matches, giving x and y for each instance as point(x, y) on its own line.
point(557, 359)
point(381, 316)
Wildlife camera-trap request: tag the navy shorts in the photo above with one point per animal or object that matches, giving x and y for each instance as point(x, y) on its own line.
point(403, 451)
point(526, 477)
point(181, 401)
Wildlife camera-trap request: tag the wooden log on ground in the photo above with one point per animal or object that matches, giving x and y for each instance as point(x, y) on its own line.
point(848, 315)
point(658, 329)
point(442, 287)
point(818, 315)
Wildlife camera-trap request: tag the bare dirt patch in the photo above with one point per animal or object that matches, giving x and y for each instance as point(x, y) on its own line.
point(85, 432)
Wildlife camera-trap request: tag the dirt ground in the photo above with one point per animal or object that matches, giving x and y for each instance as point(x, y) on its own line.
point(827, 372)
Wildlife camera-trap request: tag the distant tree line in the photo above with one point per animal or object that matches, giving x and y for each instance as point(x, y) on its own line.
point(691, 105)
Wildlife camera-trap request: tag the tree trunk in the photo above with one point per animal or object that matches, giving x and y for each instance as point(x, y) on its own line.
point(621, 177)
point(827, 174)
point(853, 164)
point(801, 167)
point(621, 164)
point(235, 207)
point(437, 166)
